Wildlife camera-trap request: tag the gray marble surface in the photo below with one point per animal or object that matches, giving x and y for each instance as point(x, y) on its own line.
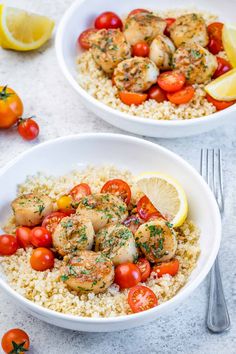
point(46, 94)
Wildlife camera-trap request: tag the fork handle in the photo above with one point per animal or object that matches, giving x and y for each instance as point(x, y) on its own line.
point(218, 319)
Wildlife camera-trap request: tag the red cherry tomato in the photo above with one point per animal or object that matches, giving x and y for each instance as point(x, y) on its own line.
point(133, 222)
point(169, 22)
point(141, 298)
point(145, 268)
point(170, 267)
point(154, 216)
point(23, 236)
point(157, 94)
point(80, 191)
point(140, 49)
point(219, 104)
point(137, 11)
point(41, 237)
point(223, 67)
point(214, 46)
point(145, 208)
point(51, 221)
point(215, 37)
point(15, 341)
point(8, 245)
point(42, 259)
point(119, 188)
point(84, 38)
point(182, 96)
point(28, 128)
point(171, 81)
point(130, 98)
point(108, 20)
point(127, 275)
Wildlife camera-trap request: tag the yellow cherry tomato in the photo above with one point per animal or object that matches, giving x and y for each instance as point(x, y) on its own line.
point(64, 202)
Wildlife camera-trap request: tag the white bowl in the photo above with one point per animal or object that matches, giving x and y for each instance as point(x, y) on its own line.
point(81, 15)
point(59, 156)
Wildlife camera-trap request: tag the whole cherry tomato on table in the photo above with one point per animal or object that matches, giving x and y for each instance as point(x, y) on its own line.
point(118, 187)
point(15, 341)
point(140, 49)
point(84, 38)
point(51, 221)
point(28, 128)
point(108, 20)
point(127, 275)
point(223, 67)
point(42, 259)
point(41, 237)
point(23, 236)
point(8, 245)
point(11, 107)
point(141, 298)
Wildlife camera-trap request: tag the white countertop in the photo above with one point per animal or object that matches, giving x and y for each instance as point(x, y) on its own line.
point(46, 94)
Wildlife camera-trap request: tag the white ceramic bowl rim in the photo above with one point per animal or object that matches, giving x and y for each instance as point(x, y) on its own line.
point(168, 123)
point(178, 297)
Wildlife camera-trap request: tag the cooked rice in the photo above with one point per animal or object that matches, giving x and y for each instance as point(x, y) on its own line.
point(46, 288)
point(93, 80)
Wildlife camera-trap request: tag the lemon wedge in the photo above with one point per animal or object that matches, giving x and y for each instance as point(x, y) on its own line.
point(166, 194)
point(229, 42)
point(21, 30)
point(224, 87)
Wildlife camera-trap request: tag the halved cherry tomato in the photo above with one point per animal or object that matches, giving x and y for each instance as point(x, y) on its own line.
point(144, 267)
point(41, 237)
point(170, 267)
point(23, 236)
point(51, 221)
point(215, 37)
point(84, 38)
point(15, 341)
point(145, 208)
point(157, 94)
point(119, 188)
point(182, 96)
point(127, 275)
point(8, 245)
point(140, 49)
point(42, 259)
point(223, 67)
point(137, 11)
point(141, 298)
point(219, 104)
point(28, 128)
point(171, 81)
point(108, 20)
point(133, 222)
point(169, 22)
point(80, 191)
point(11, 107)
point(130, 98)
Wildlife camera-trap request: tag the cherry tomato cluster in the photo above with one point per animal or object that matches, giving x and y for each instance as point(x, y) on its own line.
point(11, 110)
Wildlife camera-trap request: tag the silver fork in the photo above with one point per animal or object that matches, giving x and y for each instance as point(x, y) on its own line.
point(218, 319)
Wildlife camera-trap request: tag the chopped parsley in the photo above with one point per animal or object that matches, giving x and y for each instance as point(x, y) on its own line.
point(64, 277)
point(66, 224)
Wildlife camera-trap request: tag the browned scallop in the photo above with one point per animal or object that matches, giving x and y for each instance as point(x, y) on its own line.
point(135, 74)
point(102, 209)
point(161, 51)
point(190, 28)
point(109, 48)
point(117, 242)
point(156, 240)
point(88, 272)
point(143, 27)
point(195, 62)
point(30, 209)
point(73, 233)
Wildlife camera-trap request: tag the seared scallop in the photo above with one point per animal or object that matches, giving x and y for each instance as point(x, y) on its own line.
point(196, 62)
point(88, 271)
point(190, 28)
point(135, 74)
point(156, 240)
point(109, 48)
point(73, 233)
point(161, 51)
point(102, 208)
point(143, 27)
point(117, 242)
point(31, 209)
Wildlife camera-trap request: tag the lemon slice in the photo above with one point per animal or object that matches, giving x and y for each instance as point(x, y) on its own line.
point(229, 42)
point(166, 195)
point(224, 87)
point(21, 30)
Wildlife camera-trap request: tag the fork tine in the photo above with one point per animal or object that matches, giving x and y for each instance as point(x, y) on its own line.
point(221, 187)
